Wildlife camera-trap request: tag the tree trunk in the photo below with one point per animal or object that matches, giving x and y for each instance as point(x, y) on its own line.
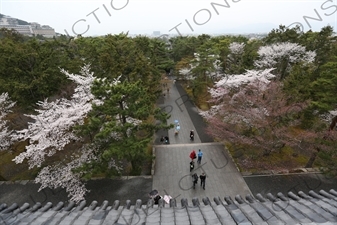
point(136, 168)
point(333, 123)
point(312, 159)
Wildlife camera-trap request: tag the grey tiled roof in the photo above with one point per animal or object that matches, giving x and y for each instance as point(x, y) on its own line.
point(311, 208)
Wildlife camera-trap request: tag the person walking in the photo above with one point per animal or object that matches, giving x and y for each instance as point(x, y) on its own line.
point(194, 179)
point(191, 165)
point(202, 180)
point(193, 155)
point(162, 139)
point(166, 140)
point(176, 132)
point(192, 135)
point(200, 154)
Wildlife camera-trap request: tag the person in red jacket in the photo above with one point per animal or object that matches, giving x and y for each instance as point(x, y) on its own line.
point(193, 155)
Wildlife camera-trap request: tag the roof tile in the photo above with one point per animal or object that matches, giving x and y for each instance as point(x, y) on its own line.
point(315, 208)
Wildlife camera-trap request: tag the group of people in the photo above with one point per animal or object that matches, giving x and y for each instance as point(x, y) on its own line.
point(165, 139)
point(193, 155)
point(202, 180)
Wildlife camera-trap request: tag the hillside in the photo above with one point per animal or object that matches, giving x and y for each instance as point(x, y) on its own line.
point(15, 20)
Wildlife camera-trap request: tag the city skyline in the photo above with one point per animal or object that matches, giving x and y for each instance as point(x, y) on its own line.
point(94, 18)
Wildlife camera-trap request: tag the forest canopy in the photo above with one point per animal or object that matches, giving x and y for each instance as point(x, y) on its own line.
point(72, 109)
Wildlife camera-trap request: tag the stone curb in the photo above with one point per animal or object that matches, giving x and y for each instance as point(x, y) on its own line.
point(154, 160)
point(282, 172)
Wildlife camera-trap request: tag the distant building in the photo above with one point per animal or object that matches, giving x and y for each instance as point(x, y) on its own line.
point(156, 33)
point(22, 29)
point(28, 30)
point(45, 30)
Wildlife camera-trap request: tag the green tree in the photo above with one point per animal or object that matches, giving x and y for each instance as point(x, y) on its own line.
point(123, 126)
point(305, 82)
point(235, 63)
point(297, 84)
point(323, 89)
point(29, 70)
point(157, 51)
point(11, 34)
point(121, 55)
point(250, 53)
point(323, 43)
point(204, 65)
point(87, 50)
point(182, 47)
point(283, 34)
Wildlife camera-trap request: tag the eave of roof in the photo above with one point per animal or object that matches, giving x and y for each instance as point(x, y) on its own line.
point(301, 208)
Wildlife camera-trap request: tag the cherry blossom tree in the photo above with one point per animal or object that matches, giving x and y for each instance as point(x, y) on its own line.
point(282, 56)
point(251, 109)
point(5, 134)
point(254, 115)
point(230, 82)
point(254, 111)
point(237, 48)
point(186, 73)
point(234, 60)
point(53, 129)
point(62, 175)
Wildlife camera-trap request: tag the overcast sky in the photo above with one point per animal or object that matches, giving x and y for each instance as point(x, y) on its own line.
point(100, 17)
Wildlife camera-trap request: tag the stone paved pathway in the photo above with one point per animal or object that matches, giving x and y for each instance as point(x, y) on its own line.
point(172, 175)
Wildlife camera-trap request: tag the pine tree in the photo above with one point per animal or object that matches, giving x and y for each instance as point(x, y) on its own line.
point(123, 126)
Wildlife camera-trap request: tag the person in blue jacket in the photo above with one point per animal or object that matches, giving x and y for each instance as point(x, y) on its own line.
point(200, 154)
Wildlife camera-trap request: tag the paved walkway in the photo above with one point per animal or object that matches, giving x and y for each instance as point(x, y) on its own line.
point(174, 104)
point(172, 175)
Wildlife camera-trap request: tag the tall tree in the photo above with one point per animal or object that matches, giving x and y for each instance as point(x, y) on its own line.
point(29, 70)
point(322, 42)
point(123, 126)
point(323, 89)
point(157, 51)
point(52, 130)
point(283, 34)
point(253, 111)
point(235, 58)
point(121, 55)
point(183, 46)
